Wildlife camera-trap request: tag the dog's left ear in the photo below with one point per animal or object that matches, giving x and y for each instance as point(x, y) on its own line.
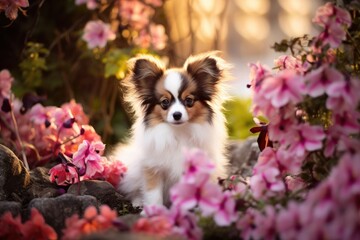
point(207, 70)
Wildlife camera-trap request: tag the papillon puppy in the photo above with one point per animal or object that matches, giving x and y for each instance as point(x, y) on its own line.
point(175, 109)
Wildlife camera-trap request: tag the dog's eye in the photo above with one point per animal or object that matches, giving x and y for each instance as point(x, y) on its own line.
point(189, 102)
point(165, 103)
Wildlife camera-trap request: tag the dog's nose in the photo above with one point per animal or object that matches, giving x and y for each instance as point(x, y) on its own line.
point(177, 116)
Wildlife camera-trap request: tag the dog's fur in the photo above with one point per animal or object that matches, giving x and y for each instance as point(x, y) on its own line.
point(175, 109)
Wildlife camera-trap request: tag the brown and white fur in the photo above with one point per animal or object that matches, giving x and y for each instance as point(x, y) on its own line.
point(175, 109)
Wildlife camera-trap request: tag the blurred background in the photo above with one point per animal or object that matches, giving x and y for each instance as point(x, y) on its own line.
point(45, 51)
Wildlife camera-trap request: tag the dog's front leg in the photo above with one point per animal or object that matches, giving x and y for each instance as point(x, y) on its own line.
point(153, 187)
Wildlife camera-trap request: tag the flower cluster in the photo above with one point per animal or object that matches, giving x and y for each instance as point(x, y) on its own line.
point(134, 16)
point(34, 228)
point(87, 163)
point(44, 130)
point(92, 221)
point(334, 20)
point(11, 7)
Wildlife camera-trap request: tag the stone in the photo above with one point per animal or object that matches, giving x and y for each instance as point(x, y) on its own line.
point(104, 192)
point(243, 156)
point(12, 206)
point(41, 186)
point(14, 178)
point(57, 210)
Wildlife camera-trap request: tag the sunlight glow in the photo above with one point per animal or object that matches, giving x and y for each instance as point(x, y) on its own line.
point(294, 25)
point(296, 6)
point(254, 6)
point(254, 28)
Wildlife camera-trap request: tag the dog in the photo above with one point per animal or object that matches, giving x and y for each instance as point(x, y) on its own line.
point(174, 109)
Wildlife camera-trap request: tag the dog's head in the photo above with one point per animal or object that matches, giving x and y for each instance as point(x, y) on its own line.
point(177, 95)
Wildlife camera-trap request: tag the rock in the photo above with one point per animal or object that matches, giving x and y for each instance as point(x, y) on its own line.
point(40, 184)
point(243, 156)
point(14, 178)
point(104, 192)
point(13, 207)
point(56, 210)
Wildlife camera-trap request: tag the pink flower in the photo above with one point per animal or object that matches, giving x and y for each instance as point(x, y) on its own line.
point(320, 80)
point(267, 183)
point(6, 81)
point(158, 36)
point(63, 174)
point(306, 138)
point(343, 95)
point(258, 73)
point(113, 172)
point(197, 166)
point(11, 7)
point(290, 62)
point(347, 122)
point(226, 213)
point(88, 157)
point(204, 194)
point(288, 222)
point(97, 34)
point(36, 228)
point(90, 4)
point(286, 87)
point(328, 13)
point(135, 13)
point(185, 224)
point(333, 19)
point(294, 183)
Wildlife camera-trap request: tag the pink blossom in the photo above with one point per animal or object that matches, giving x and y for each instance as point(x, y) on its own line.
point(6, 81)
point(306, 138)
point(286, 87)
point(135, 13)
point(88, 157)
point(347, 122)
point(343, 95)
point(328, 13)
point(294, 183)
point(288, 222)
point(189, 195)
point(267, 183)
point(97, 34)
point(226, 213)
point(158, 36)
point(185, 224)
point(63, 174)
point(197, 166)
point(113, 171)
point(11, 7)
point(319, 80)
point(90, 4)
point(333, 35)
point(258, 73)
point(290, 62)
point(76, 110)
point(265, 223)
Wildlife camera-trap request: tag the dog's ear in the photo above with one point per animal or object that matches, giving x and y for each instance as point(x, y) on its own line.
point(144, 71)
point(207, 70)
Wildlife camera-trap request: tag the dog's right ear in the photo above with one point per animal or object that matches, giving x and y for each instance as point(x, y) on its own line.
point(144, 71)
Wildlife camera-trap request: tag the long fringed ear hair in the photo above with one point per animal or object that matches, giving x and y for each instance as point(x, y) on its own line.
point(210, 73)
point(143, 73)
